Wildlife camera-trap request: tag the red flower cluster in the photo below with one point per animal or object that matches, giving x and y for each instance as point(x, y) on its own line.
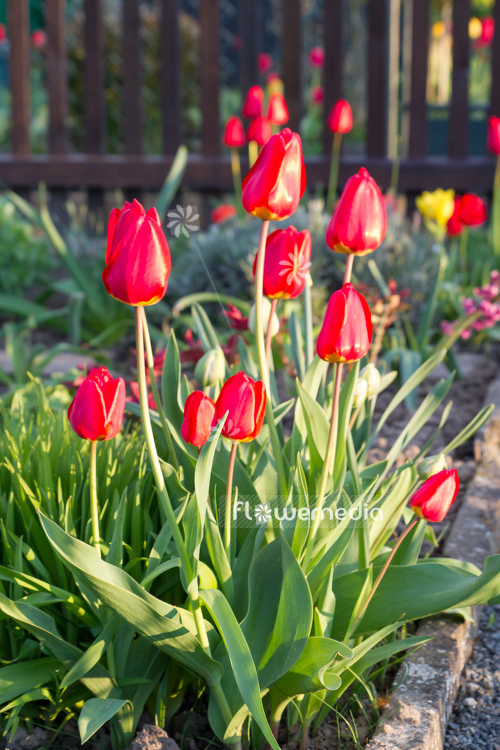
point(286, 264)
point(275, 184)
point(244, 401)
point(469, 211)
point(96, 412)
point(137, 256)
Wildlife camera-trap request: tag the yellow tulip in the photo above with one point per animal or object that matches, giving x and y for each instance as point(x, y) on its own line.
point(437, 206)
point(438, 30)
point(475, 28)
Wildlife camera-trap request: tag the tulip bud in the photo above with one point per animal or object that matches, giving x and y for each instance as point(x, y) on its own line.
point(340, 119)
point(360, 392)
point(275, 184)
point(252, 106)
point(199, 419)
point(266, 312)
point(317, 57)
point(244, 402)
point(454, 225)
point(96, 412)
point(436, 496)
point(277, 113)
point(287, 262)
point(234, 134)
point(359, 222)
point(493, 138)
point(346, 332)
point(472, 210)
point(372, 377)
point(431, 465)
point(259, 130)
point(274, 84)
point(137, 256)
point(211, 368)
point(436, 207)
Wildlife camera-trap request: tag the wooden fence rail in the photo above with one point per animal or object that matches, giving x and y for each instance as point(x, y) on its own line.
point(210, 170)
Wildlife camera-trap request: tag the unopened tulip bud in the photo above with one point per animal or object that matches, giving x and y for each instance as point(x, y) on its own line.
point(432, 465)
point(266, 312)
point(436, 496)
point(360, 392)
point(211, 368)
point(372, 377)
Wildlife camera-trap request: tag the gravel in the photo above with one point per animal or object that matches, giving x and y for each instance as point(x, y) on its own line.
point(475, 722)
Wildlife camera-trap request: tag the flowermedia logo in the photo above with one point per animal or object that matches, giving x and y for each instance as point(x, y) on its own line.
point(247, 513)
point(295, 266)
point(185, 220)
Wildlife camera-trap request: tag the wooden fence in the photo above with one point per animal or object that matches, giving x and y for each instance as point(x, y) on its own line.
point(210, 171)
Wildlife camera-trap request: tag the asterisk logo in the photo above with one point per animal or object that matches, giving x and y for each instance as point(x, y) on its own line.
point(295, 266)
point(262, 513)
point(183, 220)
point(231, 431)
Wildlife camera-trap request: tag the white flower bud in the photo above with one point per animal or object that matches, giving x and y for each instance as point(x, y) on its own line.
point(211, 368)
point(372, 377)
point(431, 465)
point(360, 392)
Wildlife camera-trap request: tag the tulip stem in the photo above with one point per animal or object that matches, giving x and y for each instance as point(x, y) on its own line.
point(380, 576)
point(160, 480)
point(348, 269)
point(253, 152)
point(463, 251)
point(496, 210)
point(308, 323)
point(94, 505)
point(269, 334)
point(261, 354)
point(156, 395)
point(236, 170)
point(229, 495)
point(329, 458)
point(334, 172)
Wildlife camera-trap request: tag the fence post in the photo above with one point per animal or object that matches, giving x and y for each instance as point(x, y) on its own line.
point(292, 48)
point(332, 73)
point(378, 44)
point(250, 32)
point(19, 35)
point(417, 146)
point(57, 74)
point(170, 76)
point(458, 138)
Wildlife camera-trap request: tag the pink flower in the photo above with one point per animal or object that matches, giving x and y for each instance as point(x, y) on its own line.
point(317, 94)
point(264, 62)
point(317, 57)
point(38, 39)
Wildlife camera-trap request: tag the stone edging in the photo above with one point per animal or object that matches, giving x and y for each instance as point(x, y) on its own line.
point(421, 706)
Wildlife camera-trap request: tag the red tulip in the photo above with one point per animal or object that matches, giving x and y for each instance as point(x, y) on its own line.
point(359, 222)
point(96, 412)
point(317, 57)
point(252, 106)
point(245, 400)
point(224, 212)
point(276, 182)
point(234, 134)
point(137, 256)
point(259, 130)
point(3, 32)
point(436, 496)
point(340, 120)
point(278, 111)
point(473, 210)
point(454, 226)
point(264, 62)
point(199, 419)
point(317, 94)
point(39, 39)
point(493, 137)
point(286, 264)
point(346, 332)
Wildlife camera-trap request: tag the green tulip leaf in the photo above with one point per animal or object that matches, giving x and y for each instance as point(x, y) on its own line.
point(96, 712)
